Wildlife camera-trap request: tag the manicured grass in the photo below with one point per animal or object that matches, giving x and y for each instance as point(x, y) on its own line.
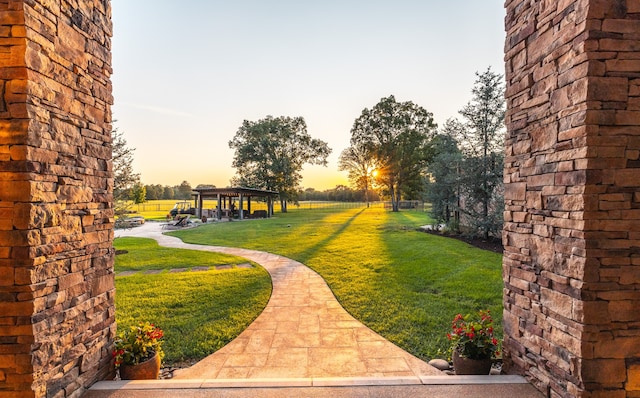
point(200, 312)
point(404, 284)
point(144, 254)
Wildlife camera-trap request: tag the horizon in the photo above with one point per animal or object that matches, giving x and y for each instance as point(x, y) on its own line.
point(184, 86)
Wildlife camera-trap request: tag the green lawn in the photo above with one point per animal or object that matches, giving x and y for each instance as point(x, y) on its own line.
point(144, 253)
point(404, 284)
point(199, 311)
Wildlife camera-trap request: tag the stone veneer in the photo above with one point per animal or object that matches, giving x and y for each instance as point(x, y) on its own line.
point(56, 259)
point(572, 174)
point(572, 231)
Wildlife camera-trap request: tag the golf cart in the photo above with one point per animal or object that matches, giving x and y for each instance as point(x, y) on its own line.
point(183, 207)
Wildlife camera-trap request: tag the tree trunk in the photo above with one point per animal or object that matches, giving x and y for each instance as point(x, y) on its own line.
point(395, 205)
point(283, 206)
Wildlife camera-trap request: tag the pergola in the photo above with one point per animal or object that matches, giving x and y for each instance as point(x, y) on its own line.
point(226, 198)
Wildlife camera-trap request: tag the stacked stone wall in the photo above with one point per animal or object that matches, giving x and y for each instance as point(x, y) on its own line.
point(572, 178)
point(56, 257)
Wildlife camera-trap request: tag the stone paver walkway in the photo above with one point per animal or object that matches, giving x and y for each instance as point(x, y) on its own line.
point(302, 333)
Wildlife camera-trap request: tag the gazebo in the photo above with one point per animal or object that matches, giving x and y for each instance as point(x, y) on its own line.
point(226, 198)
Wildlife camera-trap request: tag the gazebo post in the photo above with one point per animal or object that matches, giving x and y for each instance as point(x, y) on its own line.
point(219, 208)
point(240, 211)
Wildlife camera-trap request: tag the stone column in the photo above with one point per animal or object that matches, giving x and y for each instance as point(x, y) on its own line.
point(56, 215)
point(572, 191)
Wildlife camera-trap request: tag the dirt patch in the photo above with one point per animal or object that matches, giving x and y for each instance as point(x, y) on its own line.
point(494, 245)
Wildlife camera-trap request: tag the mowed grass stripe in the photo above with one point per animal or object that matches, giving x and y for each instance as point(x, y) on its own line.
point(200, 312)
point(404, 284)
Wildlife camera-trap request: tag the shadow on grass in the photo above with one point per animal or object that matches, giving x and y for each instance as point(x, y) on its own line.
point(310, 252)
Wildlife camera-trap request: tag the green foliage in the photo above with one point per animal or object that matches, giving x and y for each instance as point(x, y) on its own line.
point(138, 343)
point(138, 193)
point(146, 254)
point(340, 193)
point(123, 176)
point(443, 185)
point(404, 284)
point(124, 179)
point(396, 135)
point(270, 154)
point(183, 191)
point(473, 338)
point(479, 174)
point(361, 165)
point(482, 187)
point(199, 312)
point(168, 193)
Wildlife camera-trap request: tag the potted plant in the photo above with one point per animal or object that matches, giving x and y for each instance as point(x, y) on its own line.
point(473, 343)
point(138, 352)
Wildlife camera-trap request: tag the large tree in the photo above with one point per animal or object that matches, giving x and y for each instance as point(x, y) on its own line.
point(481, 135)
point(397, 135)
point(270, 154)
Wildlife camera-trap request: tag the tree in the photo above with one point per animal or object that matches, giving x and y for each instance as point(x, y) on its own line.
point(154, 192)
point(183, 191)
point(168, 193)
point(122, 158)
point(270, 154)
point(443, 182)
point(397, 135)
point(124, 179)
point(360, 164)
point(481, 135)
point(138, 193)
point(205, 186)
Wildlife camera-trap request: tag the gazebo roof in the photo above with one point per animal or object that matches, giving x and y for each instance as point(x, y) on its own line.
point(233, 192)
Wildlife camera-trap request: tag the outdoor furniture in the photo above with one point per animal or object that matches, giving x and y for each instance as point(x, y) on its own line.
point(179, 222)
point(259, 214)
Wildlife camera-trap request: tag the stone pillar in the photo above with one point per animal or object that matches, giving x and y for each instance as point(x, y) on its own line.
point(572, 192)
point(56, 215)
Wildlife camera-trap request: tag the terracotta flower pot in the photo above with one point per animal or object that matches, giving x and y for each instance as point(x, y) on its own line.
point(147, 370)
point(467, 366)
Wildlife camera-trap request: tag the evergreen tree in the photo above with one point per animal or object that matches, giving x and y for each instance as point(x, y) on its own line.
point(480, 136)
point(124, 179)
point(443, 182)
point(122, 158)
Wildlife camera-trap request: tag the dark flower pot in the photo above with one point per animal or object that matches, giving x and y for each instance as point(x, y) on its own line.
point(467, 366)
point(147, 370)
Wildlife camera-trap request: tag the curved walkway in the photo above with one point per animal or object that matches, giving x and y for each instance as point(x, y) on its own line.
point(302, 333)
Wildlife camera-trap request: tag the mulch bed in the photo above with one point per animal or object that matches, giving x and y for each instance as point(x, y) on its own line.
point(494, 245)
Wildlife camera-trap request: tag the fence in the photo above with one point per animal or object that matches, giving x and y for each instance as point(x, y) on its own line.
point(165, 206)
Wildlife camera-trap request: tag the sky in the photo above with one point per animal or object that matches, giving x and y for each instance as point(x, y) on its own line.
point(187, 73)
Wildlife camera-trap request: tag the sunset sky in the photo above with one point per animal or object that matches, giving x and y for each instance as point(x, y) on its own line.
point(187, 73)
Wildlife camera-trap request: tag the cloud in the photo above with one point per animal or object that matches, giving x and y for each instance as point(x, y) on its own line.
point(158, 109)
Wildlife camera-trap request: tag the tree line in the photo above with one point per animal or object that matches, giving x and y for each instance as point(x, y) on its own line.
point(396, 152)
point(127, 186)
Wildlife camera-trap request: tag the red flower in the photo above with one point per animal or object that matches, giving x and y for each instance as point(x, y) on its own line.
point(472, 337)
